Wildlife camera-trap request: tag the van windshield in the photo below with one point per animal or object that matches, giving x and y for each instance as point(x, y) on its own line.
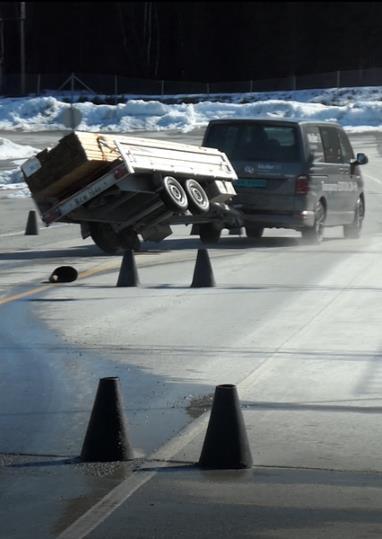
point(254, 142)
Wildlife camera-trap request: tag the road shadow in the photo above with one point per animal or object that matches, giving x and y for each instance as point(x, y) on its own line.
point(82, 251)
point(227, 242)
point(85, 251)
point(180, 244)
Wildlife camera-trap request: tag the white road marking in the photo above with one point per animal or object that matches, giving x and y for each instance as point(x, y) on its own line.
point(116, 497)
point(373, 178)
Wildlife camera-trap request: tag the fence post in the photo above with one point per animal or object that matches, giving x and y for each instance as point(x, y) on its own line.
point(338, 78)
point(115, 88)
point(208, 87)
point(162, 87)
point(293, 82)
point(71, 102)
point(251, 85)
point(38, 89)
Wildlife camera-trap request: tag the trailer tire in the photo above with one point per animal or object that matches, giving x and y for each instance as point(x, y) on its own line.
point(173, 194)
point(198, 201)
point(105, 238)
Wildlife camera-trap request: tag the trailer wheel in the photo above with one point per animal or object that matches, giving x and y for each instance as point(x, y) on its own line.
point(174, 195)
point(105, 238)
point(197, 197)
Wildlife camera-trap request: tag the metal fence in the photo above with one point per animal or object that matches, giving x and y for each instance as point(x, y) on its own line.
point(40, 84)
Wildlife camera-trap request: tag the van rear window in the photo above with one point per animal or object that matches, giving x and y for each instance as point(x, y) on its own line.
point(254, 142)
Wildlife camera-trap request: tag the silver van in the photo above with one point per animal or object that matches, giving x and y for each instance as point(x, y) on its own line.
point(301, 175)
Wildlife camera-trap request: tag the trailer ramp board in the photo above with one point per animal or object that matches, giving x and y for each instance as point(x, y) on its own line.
point(147, 155)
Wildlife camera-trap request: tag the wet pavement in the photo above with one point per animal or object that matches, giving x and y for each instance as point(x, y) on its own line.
point(274, 503)
point(168, 495)
point(41, 496)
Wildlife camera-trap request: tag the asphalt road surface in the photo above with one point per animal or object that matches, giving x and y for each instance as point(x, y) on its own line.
point(296, 328)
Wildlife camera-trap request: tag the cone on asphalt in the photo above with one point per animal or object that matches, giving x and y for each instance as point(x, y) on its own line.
point(63, 274)
point(226, 444)
point(128, 273)
point(106, 438)
point(31, 228)
point(203, 274)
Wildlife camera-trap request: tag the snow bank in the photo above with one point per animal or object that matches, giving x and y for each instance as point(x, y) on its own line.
point(356, 109)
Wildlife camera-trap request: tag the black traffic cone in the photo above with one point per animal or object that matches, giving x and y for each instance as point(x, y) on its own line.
point(226, 444)
point(128, 273)
point(203, 274)
point(31, 228)
point(106, 437)
point(63, 274)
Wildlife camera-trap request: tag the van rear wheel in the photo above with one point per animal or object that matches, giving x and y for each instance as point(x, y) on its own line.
point(254, 231)
point(315, 233)
point(209, 232)
point(354, 229)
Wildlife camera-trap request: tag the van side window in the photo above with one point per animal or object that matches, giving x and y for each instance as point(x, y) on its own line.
point(315, 144)
point(347, 150)
point(331, 143)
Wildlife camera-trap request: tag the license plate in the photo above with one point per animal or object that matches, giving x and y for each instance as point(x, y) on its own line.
point(256, 183)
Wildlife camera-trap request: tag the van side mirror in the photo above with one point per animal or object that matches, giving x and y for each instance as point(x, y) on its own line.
point(361, 159)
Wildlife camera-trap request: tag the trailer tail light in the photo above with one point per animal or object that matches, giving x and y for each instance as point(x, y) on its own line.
point(302, 185)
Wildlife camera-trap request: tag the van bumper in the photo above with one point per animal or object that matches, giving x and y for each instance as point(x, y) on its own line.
point(295, 220)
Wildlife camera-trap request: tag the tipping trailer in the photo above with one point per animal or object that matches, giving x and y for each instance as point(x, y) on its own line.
point(119, 188)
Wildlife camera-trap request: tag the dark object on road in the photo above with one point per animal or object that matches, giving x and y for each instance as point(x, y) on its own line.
point(63, 274)
point(106, 438)
point(128, 274)
point(31, 228)
point(226, 444)
point(203, 274)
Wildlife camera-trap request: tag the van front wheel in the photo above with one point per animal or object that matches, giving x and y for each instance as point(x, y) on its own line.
point(315, 233)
